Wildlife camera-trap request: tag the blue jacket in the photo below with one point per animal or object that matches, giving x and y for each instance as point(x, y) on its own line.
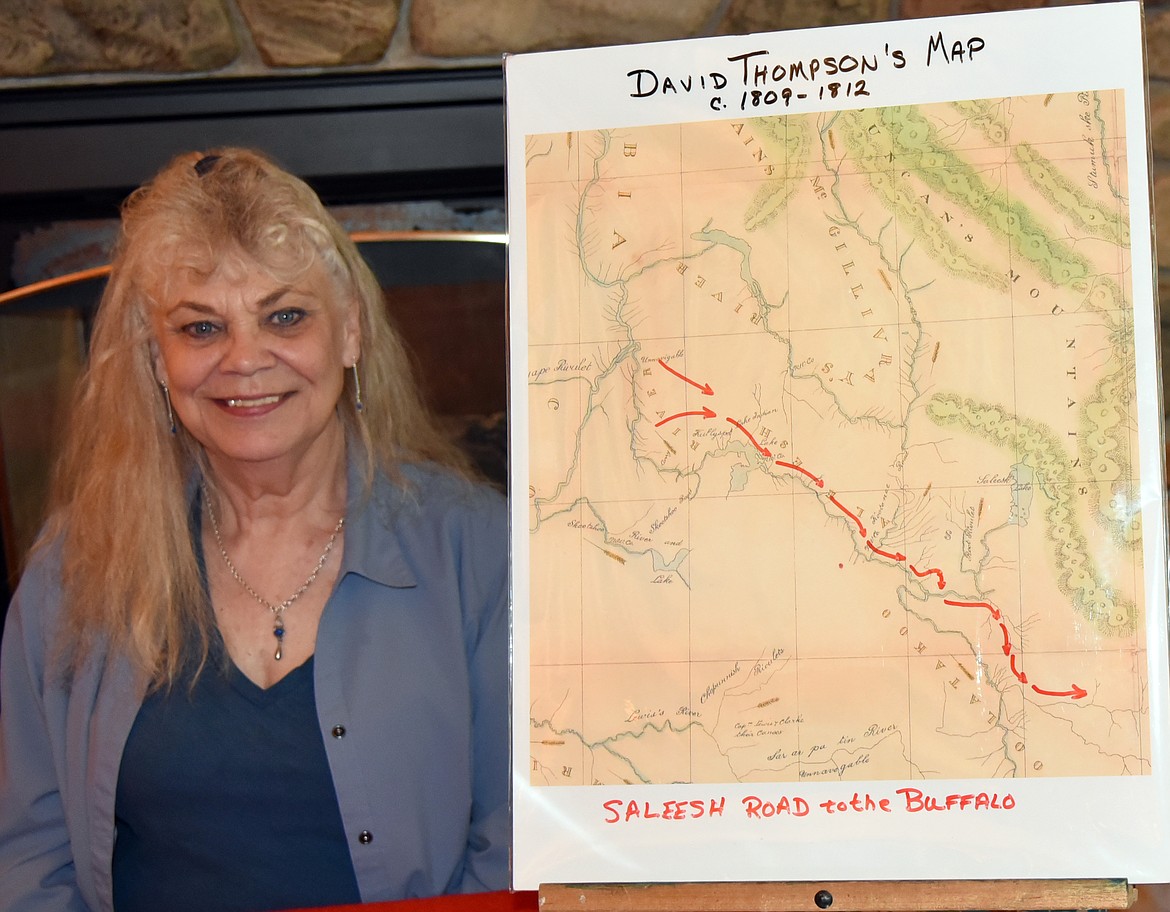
point(411, 677)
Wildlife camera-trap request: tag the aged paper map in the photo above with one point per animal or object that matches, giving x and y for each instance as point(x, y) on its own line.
point(832, 448)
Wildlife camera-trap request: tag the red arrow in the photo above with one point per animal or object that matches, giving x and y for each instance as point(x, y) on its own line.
point(841, 507)
point(1077, 693)
point(994, 611)
point(894, 557)
point(705, 387)
point(1007, 640)
point(921, 573)
point(763, 450)
point(1019, 674)
point(789, 465)
point(706, 413)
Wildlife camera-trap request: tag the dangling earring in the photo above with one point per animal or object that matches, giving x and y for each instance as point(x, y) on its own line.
point(357, 389)
point(170, 411)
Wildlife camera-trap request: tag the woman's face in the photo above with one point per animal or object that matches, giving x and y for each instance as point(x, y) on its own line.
point(255, 365)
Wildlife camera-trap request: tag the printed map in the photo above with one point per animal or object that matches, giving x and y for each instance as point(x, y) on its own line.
point(833, 443)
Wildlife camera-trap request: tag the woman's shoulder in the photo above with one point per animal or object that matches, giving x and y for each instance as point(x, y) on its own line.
point(33, 618)
point(435, 487)
point(429, 502)
point(40, 578)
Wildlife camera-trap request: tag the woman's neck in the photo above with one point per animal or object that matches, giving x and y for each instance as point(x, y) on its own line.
point(308, 486)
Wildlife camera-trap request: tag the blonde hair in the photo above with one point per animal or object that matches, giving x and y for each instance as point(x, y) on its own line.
point(121, 487)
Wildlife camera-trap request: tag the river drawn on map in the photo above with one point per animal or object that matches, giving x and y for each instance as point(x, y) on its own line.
point(833, 436)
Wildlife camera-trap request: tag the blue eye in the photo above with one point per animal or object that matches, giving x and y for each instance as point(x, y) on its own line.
point(289, 316)
point(200, 329)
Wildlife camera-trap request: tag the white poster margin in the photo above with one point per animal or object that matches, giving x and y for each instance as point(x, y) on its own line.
point(1072, 827)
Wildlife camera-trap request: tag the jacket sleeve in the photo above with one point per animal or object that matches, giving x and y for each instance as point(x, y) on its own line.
point(36, 858)
point(489, 842)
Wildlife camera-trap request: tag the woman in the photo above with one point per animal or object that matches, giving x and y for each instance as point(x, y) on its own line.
point(259, 659)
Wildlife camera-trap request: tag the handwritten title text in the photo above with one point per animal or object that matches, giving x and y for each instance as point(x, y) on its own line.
point(756, 80)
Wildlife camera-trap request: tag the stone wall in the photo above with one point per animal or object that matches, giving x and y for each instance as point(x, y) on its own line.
point(112, 40)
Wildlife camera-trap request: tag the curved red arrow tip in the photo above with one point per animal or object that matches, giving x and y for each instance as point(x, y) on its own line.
point(707, 391)
point(707, 413)
point(1076, 693)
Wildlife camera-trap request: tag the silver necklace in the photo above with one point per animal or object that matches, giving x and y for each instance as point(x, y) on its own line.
point(277, 610)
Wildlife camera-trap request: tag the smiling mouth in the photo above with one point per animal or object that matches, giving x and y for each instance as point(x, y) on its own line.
point(252, 403)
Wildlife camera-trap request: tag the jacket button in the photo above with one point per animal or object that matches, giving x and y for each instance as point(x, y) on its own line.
point(365, 837)
point(338, 731)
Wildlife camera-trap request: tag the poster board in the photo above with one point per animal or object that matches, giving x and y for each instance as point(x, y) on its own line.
point(837, 456)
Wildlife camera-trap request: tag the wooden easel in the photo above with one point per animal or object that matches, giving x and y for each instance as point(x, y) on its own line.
point(843, 896)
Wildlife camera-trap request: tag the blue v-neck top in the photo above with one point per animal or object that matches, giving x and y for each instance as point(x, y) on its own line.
point(225, 801)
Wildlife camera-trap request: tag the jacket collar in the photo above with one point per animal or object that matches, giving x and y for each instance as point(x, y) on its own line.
point(373, 546)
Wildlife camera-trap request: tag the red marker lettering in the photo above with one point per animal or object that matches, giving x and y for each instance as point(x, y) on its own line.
point(619, 811)
point(917, 801)
point(759, 808)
